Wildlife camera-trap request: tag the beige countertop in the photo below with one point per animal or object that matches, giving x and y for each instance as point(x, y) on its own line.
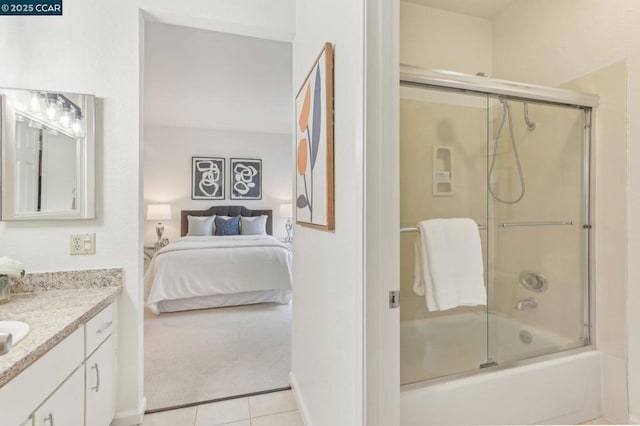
point(52, 316)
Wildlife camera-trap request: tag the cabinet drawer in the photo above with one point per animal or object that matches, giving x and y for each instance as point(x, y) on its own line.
point(30, 388)
point(64, 407)
point(99, 328)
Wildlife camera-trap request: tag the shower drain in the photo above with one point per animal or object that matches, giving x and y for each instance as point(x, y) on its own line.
point(526, 337)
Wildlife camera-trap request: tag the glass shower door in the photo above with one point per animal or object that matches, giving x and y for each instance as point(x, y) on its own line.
point(537, 186)
point(443, 139)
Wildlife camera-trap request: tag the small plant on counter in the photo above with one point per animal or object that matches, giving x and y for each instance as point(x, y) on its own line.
point(8, 267)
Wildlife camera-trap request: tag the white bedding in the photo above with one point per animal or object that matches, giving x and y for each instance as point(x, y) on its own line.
point(221, 266)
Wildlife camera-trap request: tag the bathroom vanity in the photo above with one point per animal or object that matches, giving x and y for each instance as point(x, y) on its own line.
point(64, 371)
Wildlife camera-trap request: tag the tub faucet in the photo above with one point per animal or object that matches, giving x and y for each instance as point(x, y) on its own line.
point(529, 302)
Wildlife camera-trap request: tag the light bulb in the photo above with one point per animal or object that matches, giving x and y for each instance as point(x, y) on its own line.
point(36, 103)
point(53, 108)
point(76, 126)
point(65, 117)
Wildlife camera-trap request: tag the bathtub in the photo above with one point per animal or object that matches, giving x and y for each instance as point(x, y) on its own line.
point(561, 388)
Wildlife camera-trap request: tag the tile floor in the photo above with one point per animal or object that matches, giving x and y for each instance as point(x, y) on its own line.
point(270, 409)
point(598, 421)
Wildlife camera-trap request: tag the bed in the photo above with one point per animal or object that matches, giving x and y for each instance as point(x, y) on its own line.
point(198, 272)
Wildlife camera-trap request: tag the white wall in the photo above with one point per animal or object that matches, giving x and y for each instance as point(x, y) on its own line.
point(167, 171)
point(610, 237)
point(208, 79)
point(220, 95)
point(551, 42)
point(327, 368)
point(438, 39)
point(47, 53)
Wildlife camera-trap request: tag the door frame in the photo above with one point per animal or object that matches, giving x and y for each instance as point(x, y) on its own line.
point(382, 212)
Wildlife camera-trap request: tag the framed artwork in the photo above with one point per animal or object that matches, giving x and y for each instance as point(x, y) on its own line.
point(207, 178)
point(246, 179)
point(314, 136)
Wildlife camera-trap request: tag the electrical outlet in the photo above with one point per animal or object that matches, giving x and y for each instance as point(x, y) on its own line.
point(83, 244)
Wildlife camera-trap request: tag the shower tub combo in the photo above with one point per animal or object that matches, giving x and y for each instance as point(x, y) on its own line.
point(516, 159)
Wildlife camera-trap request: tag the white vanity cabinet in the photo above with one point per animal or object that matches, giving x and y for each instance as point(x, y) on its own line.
point(74, 384)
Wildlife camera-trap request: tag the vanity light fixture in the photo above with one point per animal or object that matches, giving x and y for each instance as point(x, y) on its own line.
point(57, 110)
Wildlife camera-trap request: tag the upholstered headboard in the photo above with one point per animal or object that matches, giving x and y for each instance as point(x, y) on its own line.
point(223, 211)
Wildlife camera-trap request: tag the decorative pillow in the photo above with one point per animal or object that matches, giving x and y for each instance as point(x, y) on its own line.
point(200, 226)
point(230, 226)
point(254, 225)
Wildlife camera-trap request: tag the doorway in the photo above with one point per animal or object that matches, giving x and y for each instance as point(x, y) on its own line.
point(223, 98)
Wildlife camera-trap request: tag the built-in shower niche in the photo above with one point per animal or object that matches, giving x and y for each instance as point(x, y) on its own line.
point(518, 166)
point(442, 171)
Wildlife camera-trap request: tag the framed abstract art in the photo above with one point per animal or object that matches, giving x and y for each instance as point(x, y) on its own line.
point(207, 178)
point(246, 179)
point(314, 153)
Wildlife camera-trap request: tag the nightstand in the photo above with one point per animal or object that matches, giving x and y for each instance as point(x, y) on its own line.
point(150, 250)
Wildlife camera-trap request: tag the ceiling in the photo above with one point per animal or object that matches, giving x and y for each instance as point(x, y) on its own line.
point(205, 79)
point(480, 8)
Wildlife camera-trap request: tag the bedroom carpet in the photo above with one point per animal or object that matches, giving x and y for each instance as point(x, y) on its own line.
point(201, 355)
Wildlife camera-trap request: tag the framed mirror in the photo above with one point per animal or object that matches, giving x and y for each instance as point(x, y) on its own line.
point(48, 155)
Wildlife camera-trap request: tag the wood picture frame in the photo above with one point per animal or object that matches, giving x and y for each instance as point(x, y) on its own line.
point(314, 204)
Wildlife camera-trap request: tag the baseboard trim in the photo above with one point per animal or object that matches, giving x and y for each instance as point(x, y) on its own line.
point(302, 407)
point(131, 417)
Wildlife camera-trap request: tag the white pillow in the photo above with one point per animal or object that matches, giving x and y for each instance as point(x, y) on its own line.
point(201, 226)
point(254, 225)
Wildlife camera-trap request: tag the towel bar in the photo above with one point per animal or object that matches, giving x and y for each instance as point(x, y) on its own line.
point(480, 227)
point(557, 223)
point(511, 224)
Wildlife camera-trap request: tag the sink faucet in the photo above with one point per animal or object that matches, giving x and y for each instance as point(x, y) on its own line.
point(529, 302)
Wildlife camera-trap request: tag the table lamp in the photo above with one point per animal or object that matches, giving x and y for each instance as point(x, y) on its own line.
point(159, 212)
point(285, 211)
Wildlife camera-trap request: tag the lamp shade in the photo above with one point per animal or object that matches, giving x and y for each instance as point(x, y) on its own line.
point(285, 209)
point(158, 211)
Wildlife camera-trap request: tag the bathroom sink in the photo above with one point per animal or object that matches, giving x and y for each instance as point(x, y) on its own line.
point(18, 329)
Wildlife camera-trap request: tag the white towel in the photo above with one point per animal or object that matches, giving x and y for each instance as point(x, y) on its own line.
point(449, 270)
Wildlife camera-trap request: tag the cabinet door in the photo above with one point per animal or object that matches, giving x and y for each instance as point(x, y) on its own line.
point(100, 385)
point(65, 406)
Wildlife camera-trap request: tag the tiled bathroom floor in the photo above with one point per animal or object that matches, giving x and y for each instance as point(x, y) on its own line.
point(270, 409)
point(598, 421)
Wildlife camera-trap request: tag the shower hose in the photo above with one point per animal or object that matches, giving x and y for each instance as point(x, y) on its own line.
point(506, 113)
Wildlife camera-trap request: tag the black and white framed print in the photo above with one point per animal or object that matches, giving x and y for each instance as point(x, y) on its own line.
point(246, 179)
point(207, 178)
